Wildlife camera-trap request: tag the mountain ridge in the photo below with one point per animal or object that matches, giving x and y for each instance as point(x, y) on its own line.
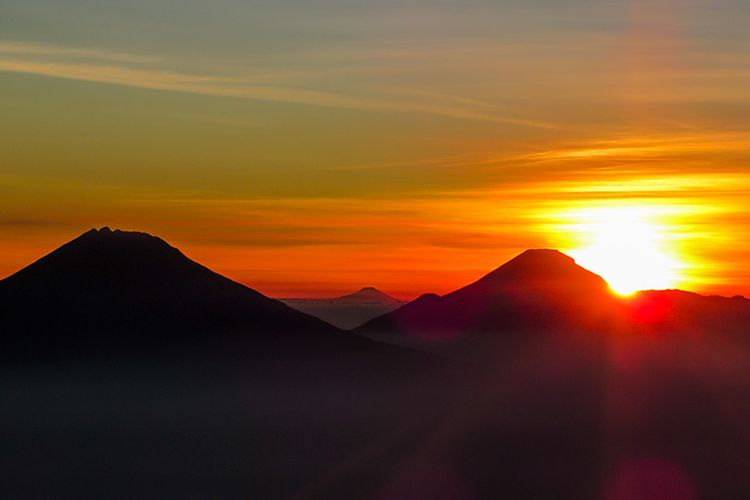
point(543, 291)
point(132, 287)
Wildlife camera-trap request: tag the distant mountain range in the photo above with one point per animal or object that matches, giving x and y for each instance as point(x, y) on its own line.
point(348, 311)
point(118, 290)
point(542, 292)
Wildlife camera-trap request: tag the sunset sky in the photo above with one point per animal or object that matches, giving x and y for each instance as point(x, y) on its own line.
point(312, 147)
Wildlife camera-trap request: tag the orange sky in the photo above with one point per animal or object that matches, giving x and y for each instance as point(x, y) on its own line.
point(311, 148)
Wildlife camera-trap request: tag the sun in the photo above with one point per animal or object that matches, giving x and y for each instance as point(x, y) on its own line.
point(628, 248)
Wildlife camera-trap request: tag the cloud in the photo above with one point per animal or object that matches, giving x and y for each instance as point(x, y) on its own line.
point(101, 66)
point(46, 50)
point(30, 223)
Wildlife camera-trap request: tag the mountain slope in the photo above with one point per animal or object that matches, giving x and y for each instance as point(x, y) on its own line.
point(678, 312)
point(112, 288)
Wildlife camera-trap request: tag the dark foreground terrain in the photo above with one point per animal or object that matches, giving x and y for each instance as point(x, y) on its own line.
point(619, 419)
point(129, 371)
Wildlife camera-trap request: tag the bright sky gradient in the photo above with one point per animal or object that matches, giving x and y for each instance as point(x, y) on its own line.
point(311, 147)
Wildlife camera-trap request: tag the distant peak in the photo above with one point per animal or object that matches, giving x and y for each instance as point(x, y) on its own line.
point(369, 293)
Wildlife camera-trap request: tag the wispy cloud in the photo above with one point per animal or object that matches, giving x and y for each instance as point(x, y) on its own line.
point(116, 68)
point(174, 81)
point(29, 223)
point(47, 50)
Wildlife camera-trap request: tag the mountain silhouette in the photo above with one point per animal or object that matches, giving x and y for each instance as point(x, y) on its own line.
point(368, 295)
point(348, 311)
point(115, 289)
point(687, 313)
point(539, 290)
point(542, 292)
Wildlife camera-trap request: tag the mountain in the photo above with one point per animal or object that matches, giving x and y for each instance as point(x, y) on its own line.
point(348, 311)
point(678, 312)
point(368, 295)
point(538, 289)
point(117, 290)
point(545, 292)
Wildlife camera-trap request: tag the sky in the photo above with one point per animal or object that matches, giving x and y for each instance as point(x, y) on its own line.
point(312, 147)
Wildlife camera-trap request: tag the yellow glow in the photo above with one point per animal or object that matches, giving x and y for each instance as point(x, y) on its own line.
point(627, 248)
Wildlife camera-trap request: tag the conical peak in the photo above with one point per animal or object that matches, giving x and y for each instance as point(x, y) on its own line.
point(543, 256)
point(369, 293)
point(105, 252)
point(541, 266)
point(106, 232)
point(117, 238)
point(538, 262)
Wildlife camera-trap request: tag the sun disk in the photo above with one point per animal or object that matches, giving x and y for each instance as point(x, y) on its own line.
point(626, 249)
